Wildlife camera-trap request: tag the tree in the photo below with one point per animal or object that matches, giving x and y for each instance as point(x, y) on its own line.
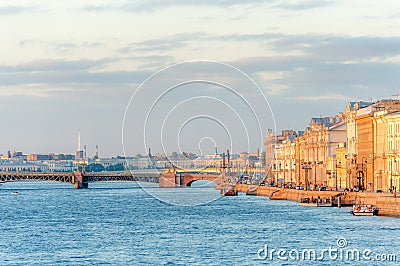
point(95, 167)
point(116, 167)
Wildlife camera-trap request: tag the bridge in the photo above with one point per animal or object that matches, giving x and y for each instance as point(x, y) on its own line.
point(81, 180)
point(169, 180)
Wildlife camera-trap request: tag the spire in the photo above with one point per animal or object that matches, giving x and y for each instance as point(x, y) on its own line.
point(79, 140)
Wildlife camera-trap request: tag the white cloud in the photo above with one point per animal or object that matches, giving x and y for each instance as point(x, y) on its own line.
point(31, 90)
point(323, 97)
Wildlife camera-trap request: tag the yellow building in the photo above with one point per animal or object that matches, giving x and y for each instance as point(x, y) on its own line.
point(387, 147)
point(302, 158)
point(374, 162)
point(381, 151)
point(279, 156)
point(337, 169)
point(392, 153)
point(342, 177)
point(317, 145)
point(360, 148)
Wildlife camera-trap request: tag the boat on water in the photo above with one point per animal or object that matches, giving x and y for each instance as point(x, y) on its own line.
point(231, 192)
point(364, 210)
point(316, 202)
point(15, 193)
point(251, 192)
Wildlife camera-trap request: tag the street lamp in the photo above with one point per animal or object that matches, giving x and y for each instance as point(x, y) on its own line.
point(391, 174)
point(280, 169)
point(291, 173)
point(340, 177)
point(284, 173)
point(338, 165)
point(315, 174)
point(306, 166)
point(364, 160)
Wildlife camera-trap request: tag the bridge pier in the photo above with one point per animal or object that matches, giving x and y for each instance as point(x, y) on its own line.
point(80, 181)
point(167, 180)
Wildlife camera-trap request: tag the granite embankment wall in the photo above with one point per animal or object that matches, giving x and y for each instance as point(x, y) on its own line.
point(387, 203)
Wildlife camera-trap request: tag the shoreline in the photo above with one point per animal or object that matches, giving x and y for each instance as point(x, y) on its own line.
point(387, 203)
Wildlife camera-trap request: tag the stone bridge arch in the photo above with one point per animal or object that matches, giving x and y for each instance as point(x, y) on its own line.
point(186, 179)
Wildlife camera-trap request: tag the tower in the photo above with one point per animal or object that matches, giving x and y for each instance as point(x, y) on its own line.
point(79, 152)
point(79, 140)
point(97, 152)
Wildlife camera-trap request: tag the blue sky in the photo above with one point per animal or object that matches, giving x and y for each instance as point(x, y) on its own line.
point(69, 66)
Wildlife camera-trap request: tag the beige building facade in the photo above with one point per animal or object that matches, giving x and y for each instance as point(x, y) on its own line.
point(387, 151)
point(357, 149)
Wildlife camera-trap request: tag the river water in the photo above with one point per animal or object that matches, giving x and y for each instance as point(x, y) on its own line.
point(121, 224)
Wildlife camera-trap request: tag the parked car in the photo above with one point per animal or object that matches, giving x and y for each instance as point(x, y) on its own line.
point(322, 189)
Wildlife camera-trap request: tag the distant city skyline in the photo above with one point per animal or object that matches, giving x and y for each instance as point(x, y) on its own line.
point(70, 66)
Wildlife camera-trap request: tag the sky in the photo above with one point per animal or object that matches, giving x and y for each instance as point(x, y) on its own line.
point(82, 65)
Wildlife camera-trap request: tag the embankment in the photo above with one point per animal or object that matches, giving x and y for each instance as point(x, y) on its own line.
point(388, 205)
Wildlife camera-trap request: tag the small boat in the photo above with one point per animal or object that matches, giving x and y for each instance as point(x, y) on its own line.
point(364, 210)
point(316, 202)
point(232, 192)
point(252, 191)
point(15, 193)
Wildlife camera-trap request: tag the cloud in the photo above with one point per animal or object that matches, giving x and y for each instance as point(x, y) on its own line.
point(68, 72)
point(74, 77)
point(336, 68)
point(164, 44)
point(12, 10)
point(54, 65)
point(32, 90)
point(330, 47)
point(322, 97)
point(150, 6)
point(302, 4)
point(322, 46)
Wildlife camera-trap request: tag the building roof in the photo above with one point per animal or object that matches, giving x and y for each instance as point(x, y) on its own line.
point(360, 105)
point(326, 121)
point(338, 125)
point(393, 114)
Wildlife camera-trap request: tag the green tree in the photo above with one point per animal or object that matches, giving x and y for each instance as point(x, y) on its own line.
point(116, 167)
point(95, 167)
